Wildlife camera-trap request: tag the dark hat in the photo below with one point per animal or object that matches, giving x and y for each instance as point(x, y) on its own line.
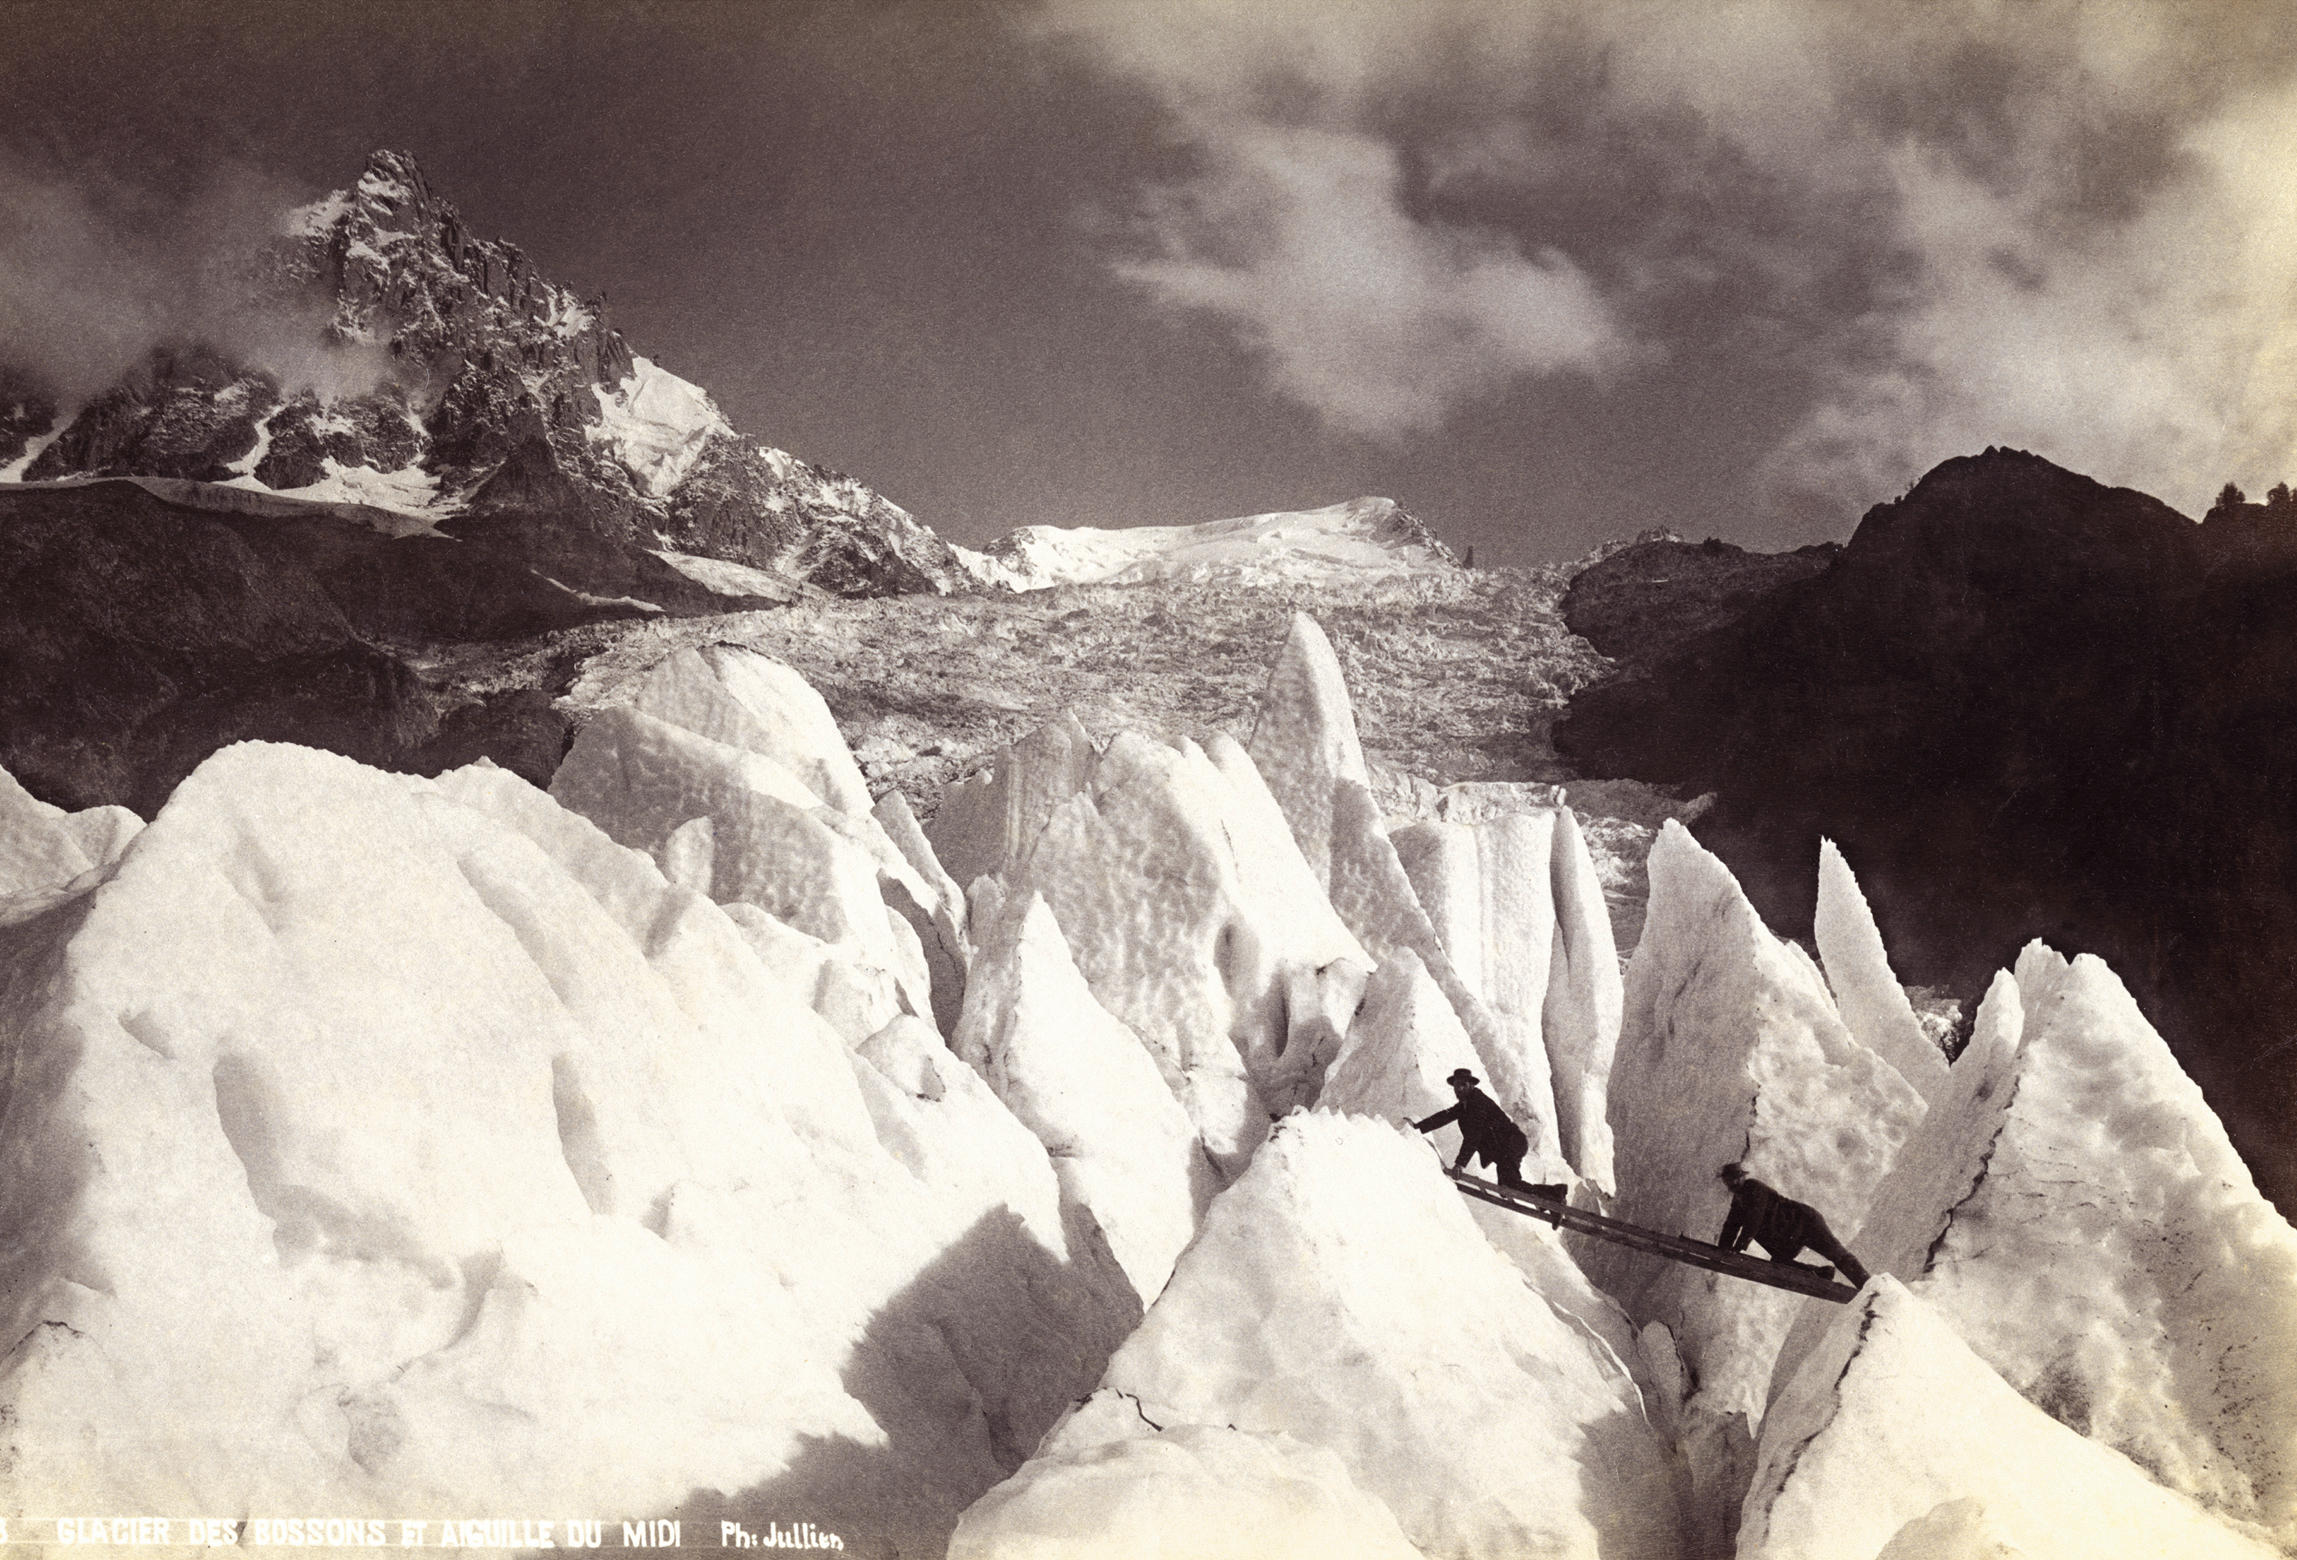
point(1461, 1075)
point(1732, 1172)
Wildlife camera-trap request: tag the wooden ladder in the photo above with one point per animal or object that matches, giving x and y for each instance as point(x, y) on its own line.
point(1816, 1282)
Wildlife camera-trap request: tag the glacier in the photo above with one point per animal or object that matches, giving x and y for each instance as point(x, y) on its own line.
point(709, 1137)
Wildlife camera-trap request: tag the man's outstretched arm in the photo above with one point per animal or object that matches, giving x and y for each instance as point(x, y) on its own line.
point(1442, 1118)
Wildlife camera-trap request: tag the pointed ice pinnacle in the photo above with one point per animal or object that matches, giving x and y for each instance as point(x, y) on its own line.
point(1340, 1293)
point(2073, 1209)
point(1873, 1003)
point(1731, 1049)
point(1082, 1082)
point(1304, 742)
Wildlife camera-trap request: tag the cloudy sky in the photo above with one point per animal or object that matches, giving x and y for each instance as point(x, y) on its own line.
point(1547, 273)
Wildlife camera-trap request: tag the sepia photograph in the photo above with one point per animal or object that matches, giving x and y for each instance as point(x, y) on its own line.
point(1149, 779)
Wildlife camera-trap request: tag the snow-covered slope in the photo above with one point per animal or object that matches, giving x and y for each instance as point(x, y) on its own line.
point(1362, 539)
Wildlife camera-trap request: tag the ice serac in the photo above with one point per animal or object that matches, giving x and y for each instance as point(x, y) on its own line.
point(44, 847)
point(1585, 1000)
point(1375, 898)
point(1404, 1043)
point(939, 917)
point(1339, 1293)
point(2072, 1208)
point(1894, 1439)
point(989, 817)
point(1304, 742)
point(1731, 1050)
point(754, 702)
point(774, 845)
point(1080, 1080)
point(1107, 1483)
point(375, 1140)
point(1872, 1002)
point(1190, 915)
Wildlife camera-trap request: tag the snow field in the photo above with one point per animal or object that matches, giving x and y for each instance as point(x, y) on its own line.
point(656, 425)
point(1338, 544)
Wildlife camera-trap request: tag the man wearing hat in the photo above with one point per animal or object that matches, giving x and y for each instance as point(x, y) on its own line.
point(1485, 1131)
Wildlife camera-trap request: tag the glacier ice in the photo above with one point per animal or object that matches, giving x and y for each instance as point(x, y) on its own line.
point(377, 1140)
point(1515, 902)
point(1304, 741)
point(1339, 1294)
point(1731, 1050)
point(1108, 1483)
point(44, 847)
point(1584, 1005)
point(1192, 919)
point(774, 845)
point(1894, 1439)
point(2072, 1208)
point(1082, 1082)
point(1873, 1004)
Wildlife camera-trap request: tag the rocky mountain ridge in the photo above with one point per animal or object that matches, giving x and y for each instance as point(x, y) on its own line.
point(2028, 704)
point(441, 376)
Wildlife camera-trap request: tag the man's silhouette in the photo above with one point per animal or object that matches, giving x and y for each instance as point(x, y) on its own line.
point(1780, 1225)
point(1486, 1133)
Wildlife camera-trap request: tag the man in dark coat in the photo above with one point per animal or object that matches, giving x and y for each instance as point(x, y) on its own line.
point(1485, 1131)
point(1780, 1225)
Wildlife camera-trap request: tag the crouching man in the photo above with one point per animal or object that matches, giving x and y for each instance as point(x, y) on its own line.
point(1780, 1225)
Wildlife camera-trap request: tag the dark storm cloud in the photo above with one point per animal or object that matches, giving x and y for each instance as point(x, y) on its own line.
point(2059, 225)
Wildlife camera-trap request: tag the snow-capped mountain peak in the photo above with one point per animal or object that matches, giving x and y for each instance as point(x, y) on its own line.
point(1355, 541)
point(445, 377)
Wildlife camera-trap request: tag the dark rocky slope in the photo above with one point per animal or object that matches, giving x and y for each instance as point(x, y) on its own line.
point(2026, 705)
point(141, 635)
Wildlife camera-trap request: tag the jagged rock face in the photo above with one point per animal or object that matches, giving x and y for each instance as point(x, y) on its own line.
point(1644, 600)
point(26, 412)
point(454, 377)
